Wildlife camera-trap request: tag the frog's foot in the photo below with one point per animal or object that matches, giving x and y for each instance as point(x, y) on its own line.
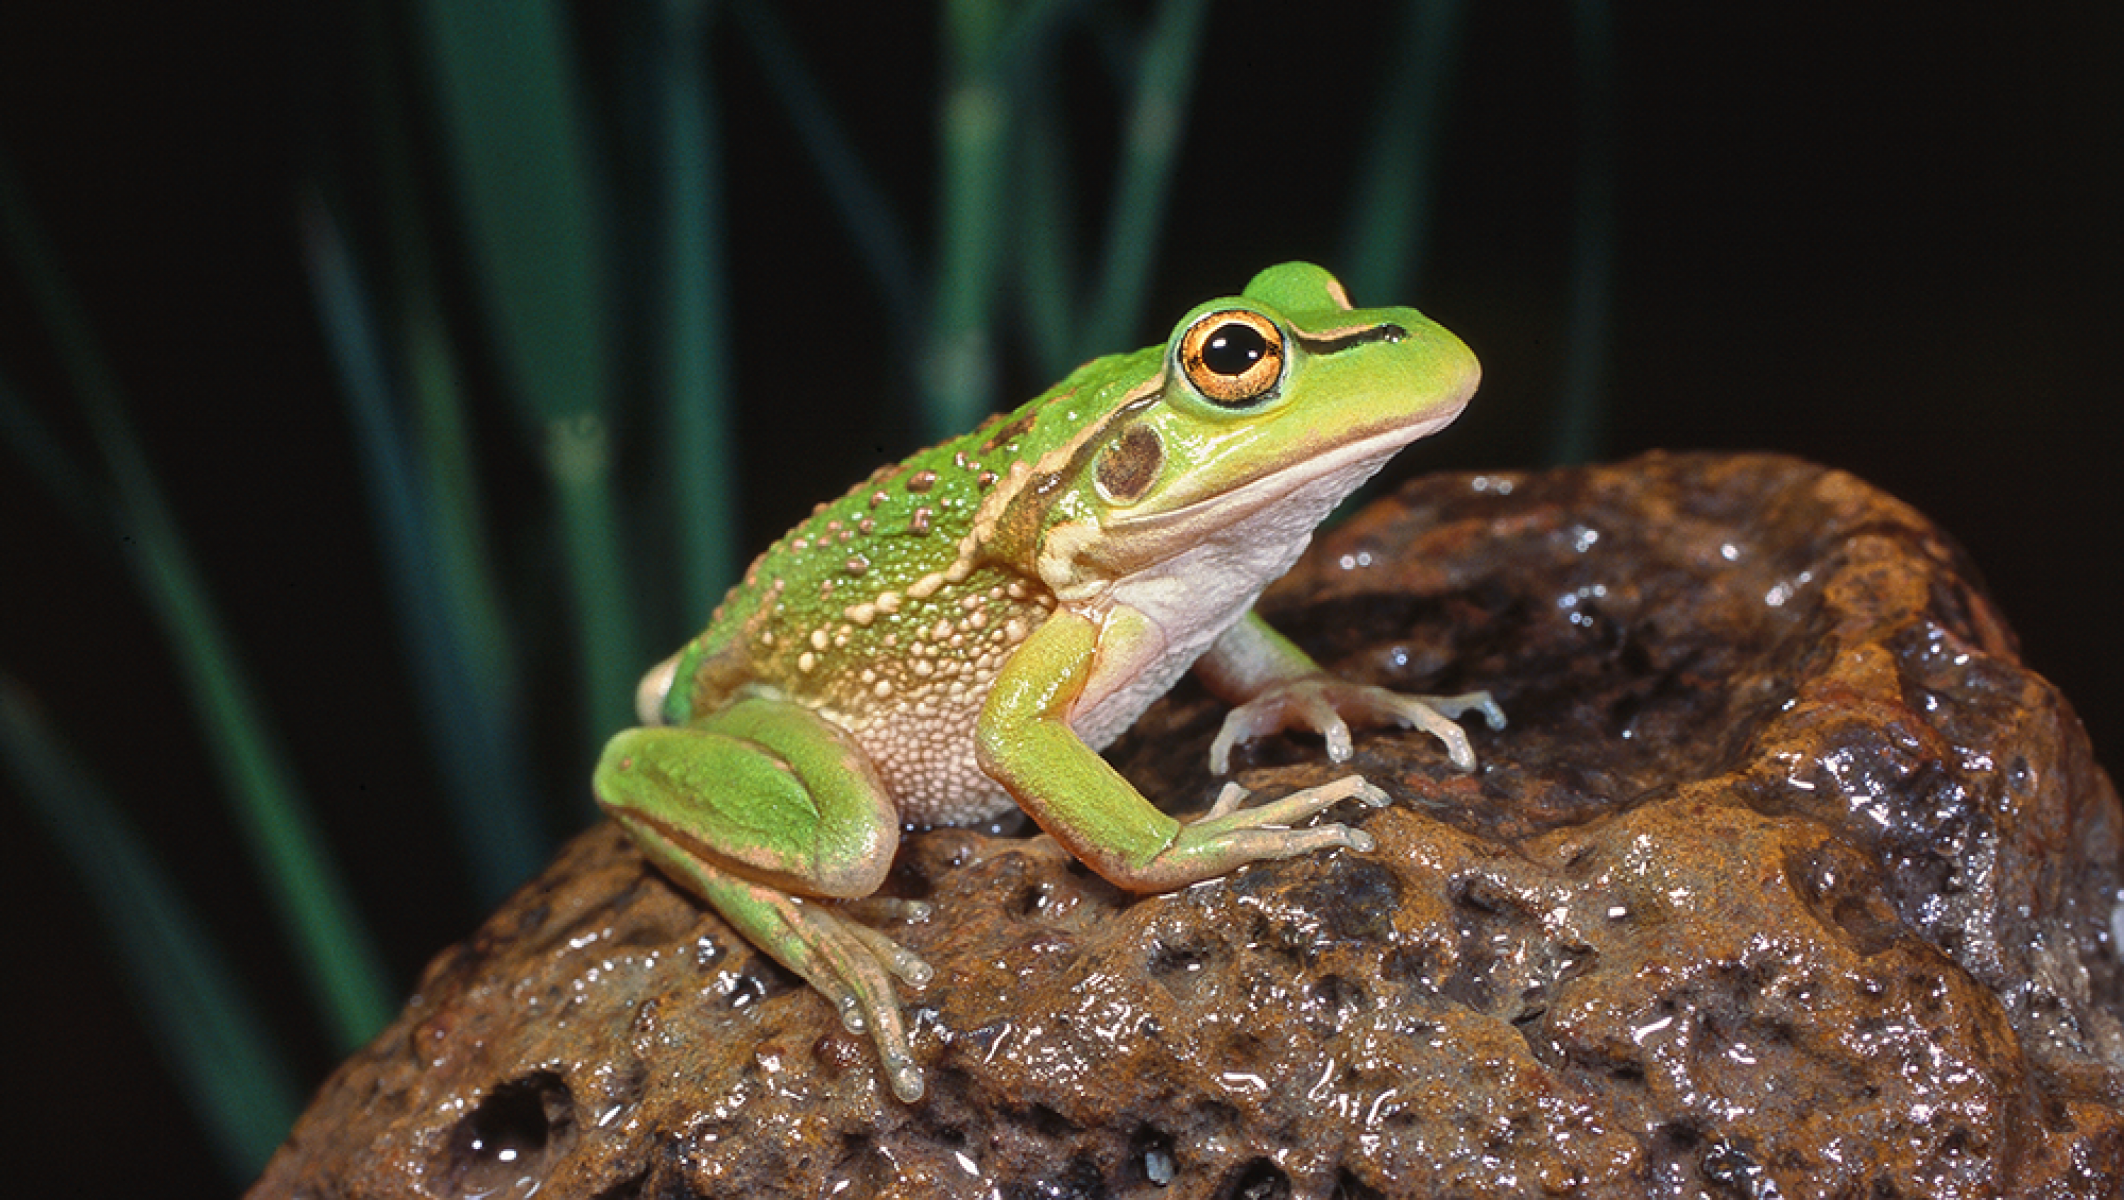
point(1228, 836)
point(850, 964)
point(1326, 705)
point(847, 962)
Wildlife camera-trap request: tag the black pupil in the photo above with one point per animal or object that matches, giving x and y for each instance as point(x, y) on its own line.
point(1234, 349)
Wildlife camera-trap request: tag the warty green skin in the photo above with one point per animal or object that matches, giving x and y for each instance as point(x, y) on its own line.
point(964, 630)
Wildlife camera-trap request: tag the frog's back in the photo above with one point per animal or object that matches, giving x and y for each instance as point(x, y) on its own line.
point(889, 612)
point(836, 589)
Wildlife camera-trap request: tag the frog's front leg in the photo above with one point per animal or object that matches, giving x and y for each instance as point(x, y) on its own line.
point(1277, 686)
point(1024, 741)
point(764, 810)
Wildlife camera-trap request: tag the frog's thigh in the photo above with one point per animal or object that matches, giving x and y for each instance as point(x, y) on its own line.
point(765, 789)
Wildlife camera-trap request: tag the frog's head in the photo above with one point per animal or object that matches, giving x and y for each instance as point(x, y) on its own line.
point(1265, 411)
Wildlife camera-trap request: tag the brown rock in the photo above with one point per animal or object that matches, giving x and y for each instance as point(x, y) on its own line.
point(1787, 879)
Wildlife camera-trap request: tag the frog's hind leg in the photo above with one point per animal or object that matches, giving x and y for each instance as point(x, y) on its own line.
point(757, 810)
point(765, 789)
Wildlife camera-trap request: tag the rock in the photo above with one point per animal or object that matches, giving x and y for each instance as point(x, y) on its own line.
point(1786, 879)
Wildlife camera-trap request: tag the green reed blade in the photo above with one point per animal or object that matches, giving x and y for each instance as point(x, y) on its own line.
point(442, 425)
point(317, 913)
point(483, 748)
point(1150, 146)
point(1382, 259)
point(473, 741)
point(518, 144)
point(578, 457)
point(693, 371)
point(1047, 288)
point(233, 1077)
point(958, 371)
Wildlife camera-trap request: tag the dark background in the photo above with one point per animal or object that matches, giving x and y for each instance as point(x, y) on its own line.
point(1882, 237)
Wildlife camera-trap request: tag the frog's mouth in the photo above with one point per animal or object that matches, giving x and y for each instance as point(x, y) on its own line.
point(1310, 489)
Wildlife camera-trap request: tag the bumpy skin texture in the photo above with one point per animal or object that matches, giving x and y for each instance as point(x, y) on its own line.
point(962, 633)
point(1789, 878)
point(891, 610)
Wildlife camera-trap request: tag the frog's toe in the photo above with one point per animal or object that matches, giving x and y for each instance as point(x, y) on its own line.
point(1251, 845)
point(853, 1017)
point(1323, 705)
point(852, 966)
point(1228, 800)
point(1432, 714)
point(879, 909)
point(1305, 802)
point(898, 959)
point(888, 1032)
point(1226, 818)
point(1413, 712)
point(1467, 702)
point(862, 1011)
point(1229, 836)
point(1295, 706)
point(903, 1076)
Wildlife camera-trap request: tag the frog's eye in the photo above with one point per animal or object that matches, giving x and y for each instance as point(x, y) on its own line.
point(1233, 358)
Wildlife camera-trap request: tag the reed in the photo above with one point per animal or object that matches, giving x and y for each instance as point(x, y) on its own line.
point(514, 168)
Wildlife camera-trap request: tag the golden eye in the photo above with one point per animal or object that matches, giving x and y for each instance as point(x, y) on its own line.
point(1233, 358)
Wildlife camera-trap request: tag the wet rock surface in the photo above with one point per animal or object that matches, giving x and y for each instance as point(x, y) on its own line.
point(1786, 879)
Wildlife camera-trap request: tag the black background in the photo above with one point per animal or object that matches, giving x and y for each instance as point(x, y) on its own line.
point(1883, 237)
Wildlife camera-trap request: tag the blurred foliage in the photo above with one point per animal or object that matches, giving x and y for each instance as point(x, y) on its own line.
point(537, 207)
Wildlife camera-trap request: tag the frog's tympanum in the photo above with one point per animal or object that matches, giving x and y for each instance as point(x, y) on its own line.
point(964, 631)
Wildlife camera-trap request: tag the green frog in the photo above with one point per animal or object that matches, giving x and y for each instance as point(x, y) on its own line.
point(964, 631)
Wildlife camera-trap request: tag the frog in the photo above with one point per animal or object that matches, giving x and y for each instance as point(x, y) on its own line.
point(963, 632)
